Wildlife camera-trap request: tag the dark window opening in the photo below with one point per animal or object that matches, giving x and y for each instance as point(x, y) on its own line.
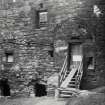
point(37, 20)
point(9, 57)
point(51, 53)
point(90, 62)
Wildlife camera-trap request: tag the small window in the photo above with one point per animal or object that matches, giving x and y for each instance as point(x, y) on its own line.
point(90, 63)
point(9, 57)
point(39, 16)
point(41, 19)
point(51, 53)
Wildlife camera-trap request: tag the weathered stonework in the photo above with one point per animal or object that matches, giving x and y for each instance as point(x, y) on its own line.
point(30, 46)
point(86, 28)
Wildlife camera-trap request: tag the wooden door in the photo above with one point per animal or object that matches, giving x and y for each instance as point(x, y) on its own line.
point(76, 55)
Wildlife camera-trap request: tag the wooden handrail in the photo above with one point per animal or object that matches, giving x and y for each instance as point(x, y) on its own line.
point(62, 74)
point(65, 61)
point(69, 77)
point(79, 74)
point(79, 69)
point(64, 79)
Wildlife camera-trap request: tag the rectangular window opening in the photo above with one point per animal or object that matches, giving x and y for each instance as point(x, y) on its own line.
point(90, 63)
point(9, 57)
point(51, 53)
point(41, 19)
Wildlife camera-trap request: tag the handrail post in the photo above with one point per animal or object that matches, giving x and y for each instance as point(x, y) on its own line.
point(57, 91)
point(79, 74)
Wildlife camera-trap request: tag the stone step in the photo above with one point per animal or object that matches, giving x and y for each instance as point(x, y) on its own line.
point(72, 82)
point(50, 91)
point(74, 79)
point(71, 86)
point(65, 96)
point(67, 93)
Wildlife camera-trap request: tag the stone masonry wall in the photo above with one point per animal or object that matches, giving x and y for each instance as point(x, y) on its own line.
point(79, 19)
point(31, 45)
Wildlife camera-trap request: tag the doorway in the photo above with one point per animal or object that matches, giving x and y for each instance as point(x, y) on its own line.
point(75, 55)
point(4, 87)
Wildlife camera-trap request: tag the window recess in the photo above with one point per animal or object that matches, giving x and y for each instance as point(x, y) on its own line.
point(90, 62)
point(8, 58)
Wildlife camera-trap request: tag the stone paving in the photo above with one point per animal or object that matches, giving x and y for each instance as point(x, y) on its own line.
point(32, 101)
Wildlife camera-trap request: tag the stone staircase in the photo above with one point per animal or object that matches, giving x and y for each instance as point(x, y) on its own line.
point(69, 82)
point(51, 91)
point(68, 92)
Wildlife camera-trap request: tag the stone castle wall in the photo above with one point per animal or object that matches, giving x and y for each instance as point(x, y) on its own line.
point(31, 46)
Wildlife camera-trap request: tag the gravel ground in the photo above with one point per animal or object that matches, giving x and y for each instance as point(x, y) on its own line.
point(95, 97)
point(32, 101)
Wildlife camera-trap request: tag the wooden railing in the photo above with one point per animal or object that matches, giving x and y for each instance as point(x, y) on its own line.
point(69, 77)
point(79, 74)
point(77, 71)
point(63, 72)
